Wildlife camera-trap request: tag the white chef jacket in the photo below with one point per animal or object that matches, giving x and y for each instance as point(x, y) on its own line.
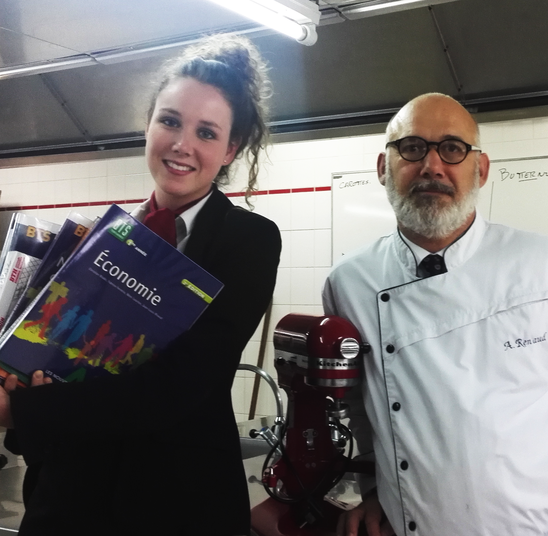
point(456, 385)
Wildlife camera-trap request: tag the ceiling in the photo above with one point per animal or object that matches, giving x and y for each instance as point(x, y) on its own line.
point(75, 76)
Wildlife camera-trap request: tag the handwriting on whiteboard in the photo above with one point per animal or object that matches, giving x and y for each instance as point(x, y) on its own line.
point(521, 176)
point(351, 184)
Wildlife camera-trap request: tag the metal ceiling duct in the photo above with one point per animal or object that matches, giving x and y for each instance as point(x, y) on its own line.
point(332, 11)
point(352, 9)
point(356, 75)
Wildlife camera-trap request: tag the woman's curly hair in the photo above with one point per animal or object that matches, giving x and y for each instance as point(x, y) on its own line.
point(234, 66)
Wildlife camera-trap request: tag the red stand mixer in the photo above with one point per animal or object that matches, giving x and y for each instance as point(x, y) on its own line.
point(317, 359)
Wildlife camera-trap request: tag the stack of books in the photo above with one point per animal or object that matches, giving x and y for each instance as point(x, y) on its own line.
point(87, 300)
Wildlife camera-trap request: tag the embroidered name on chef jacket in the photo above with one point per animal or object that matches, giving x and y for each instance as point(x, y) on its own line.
point(522, 343)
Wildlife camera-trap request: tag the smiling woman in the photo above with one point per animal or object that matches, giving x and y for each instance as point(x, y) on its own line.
point(188, 141)
point(120, 456)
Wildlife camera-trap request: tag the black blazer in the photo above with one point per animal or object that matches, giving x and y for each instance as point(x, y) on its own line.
point(156, 451)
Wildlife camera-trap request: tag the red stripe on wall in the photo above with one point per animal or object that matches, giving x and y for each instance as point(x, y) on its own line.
point(300, 190)
point(274, 192)
point(128, 201)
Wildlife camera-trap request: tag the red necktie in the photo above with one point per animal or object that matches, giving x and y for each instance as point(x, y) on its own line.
point(162, 220)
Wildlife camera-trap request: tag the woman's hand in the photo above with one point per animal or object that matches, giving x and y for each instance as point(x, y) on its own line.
point(10, 385)
point(5, 407)
point(38, 378)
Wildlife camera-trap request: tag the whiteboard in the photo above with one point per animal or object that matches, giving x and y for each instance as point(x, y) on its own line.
point(361, 211)
point(516, 194)
point(519, 193)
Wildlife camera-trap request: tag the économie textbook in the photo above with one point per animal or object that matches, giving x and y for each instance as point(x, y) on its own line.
point(120, 298)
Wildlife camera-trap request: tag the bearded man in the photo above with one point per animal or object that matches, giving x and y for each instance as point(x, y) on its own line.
point(455, 390)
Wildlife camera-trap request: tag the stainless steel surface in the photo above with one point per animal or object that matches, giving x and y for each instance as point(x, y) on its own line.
point(489, 52)
point(67, 27)
point(11, 502)
point(11, 498)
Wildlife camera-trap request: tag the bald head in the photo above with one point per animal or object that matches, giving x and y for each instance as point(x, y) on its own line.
point(433, 107)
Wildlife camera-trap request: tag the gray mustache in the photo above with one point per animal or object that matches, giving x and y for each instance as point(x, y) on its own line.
point(432, 186)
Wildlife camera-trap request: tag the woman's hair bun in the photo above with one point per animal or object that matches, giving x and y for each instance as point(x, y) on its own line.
point(233, 65)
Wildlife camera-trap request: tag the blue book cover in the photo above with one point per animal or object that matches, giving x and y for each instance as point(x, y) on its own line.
point(122, 296)
point(28, 235)
point(73, 230)
point(27, 241)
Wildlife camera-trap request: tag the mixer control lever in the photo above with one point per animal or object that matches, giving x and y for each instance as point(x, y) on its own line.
point(269, 436)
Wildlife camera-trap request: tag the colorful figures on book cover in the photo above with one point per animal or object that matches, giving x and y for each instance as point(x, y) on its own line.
point(69, 329)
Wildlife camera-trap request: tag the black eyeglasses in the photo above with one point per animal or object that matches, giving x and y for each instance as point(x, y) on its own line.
point(451, 151)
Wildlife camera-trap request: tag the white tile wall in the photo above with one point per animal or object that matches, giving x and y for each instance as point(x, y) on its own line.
point(63, 192)
point(304, 218)
point(277, 176)
point(301, 286)
point(521, 129)
point(301, 246)
point(116, 187)
point(80, 190)
point(322, 210)
point(540, 127)
point(302, 210)
point(491, 133)
point(97, 168)
point(322, 247)
point(282, 292)
point(98, 188)
point(280, 210)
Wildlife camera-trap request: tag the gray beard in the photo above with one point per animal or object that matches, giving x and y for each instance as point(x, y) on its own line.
point(426, 216)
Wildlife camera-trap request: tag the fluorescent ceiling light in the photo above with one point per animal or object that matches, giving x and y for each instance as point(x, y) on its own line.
point(378, 7)
point(295, 18)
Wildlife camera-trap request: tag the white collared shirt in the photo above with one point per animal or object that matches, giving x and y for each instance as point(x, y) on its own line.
point(188, 218)
point(420, 253)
